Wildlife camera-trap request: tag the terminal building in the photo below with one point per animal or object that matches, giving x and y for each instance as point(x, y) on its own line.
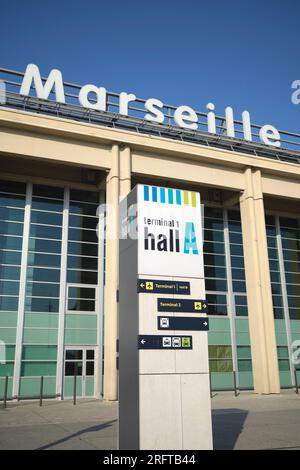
point(60, 162)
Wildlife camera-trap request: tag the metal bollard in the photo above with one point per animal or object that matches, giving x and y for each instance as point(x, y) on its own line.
point(74, 393)
point(235, 386)
point(296, 382)
point(41, 390)
point(5, 392)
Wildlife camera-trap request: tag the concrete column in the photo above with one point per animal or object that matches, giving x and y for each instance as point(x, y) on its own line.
point(125, 172)
point(260, 307)
point(111, 276)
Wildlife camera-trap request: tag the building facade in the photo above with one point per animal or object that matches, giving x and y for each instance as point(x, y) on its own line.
point(59, 272)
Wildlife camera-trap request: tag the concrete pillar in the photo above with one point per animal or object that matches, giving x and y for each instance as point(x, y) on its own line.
point(118, 185)
point(111, 277)
point(260, 307)
point(125, 172)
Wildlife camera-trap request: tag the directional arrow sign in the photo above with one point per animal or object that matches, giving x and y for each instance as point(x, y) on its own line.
point(182, 305)
point(183, 323)
point(160, 286)
point(165, 342)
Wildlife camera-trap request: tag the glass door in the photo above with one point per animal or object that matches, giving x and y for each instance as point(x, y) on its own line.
point(79, 366)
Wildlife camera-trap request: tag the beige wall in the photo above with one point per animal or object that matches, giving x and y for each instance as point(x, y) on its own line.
point(122, 155)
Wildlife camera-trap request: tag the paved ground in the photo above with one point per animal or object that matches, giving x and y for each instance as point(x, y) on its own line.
point(245, 422)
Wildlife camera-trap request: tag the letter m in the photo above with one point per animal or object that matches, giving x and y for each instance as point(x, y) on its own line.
point(32, 76)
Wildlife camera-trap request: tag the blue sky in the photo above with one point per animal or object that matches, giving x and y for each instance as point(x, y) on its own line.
point(239, 53)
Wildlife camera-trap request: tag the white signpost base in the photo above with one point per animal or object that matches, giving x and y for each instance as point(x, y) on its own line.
point(164, 389)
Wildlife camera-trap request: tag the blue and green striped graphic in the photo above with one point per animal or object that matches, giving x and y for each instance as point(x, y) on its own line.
point(169, 196)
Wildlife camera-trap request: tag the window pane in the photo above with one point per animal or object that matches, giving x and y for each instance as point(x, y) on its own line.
point(220, 352)
point(41, 305)
point(79, 262)
point(41, 353)
point(216, 248)
point(245, 366)
point(10, 257)
point(241, 311)
point(292, 255)
point(9, 272)
point(276, 289)
point(272, 242)
point(293, 290)
point(235, 238)
point(275, 276)
point(244, 352)
point(239, 286)
point(292, 278)
point(271, 231)
point(90, 354)
point(73, 354)
point(82, 277)
point(47, 246)
point(38, 259)
point(81, 208)
point(7, 213)
point(214, 224)
point(294, 313)
point(90, 368)
point(46, 218)
point(240, 300)
point(83, 235)
point(277, 301)
point(216, 299)
point(11, 200)
point(9, 304)
point(216, 284)
point(290, 244)
point(274, 265)
point(44, 231)
point(82, 293)
point(36, 289)
point(214, 309)
point(283, 365)
point(292, 266)
point(214, 260)
point(11, 243)
point(83, 222)
point(278, 313)
point(212, 235)
point(237, 261)
point(294, 301)
point(212, 271)
point(220, 366)
point(37, 369)
point(11, 228)
point(238, 274)
point(272, 253)
point(42, 274)
point(236, 250)
point(234, 226)
point(73, 368)
point(83, 249)
point(81, 305)
point(270, 219)
point(9, 288)
point(47, 204)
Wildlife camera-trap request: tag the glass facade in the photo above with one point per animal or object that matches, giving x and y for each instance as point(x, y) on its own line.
point(55, 250)
point(283, 235)
point(229, 341)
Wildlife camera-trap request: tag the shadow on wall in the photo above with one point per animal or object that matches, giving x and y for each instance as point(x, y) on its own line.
point(227, 426)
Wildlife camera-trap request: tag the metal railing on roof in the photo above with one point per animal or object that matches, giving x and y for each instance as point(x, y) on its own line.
point(136, 122)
